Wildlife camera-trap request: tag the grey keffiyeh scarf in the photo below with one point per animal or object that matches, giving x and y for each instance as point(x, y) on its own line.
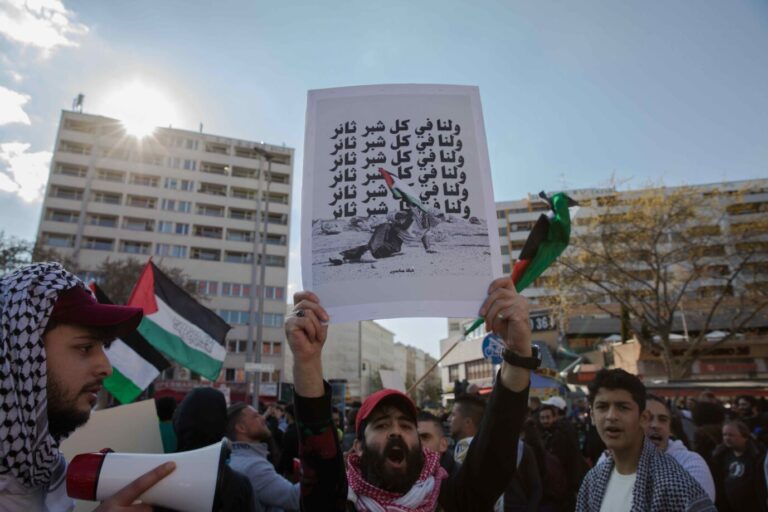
point(28, 452)
point(662, 485)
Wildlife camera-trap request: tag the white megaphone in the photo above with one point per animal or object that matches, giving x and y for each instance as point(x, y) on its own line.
point(193, 486)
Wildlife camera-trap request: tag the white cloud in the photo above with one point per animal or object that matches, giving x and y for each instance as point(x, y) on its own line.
point(44, 24)
point(11, 103)
point(24, 174)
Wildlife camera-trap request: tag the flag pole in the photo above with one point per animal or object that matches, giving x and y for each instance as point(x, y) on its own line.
point(416, 384)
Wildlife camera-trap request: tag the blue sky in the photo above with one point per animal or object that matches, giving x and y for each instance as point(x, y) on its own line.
point(573, 92)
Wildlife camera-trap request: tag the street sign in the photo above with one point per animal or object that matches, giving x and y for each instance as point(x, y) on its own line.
point(259, 367)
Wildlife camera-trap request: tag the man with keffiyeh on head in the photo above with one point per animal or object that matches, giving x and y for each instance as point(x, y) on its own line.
point(388, 470)
point(52, 364)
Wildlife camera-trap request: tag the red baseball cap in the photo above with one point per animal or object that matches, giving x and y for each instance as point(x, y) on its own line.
point(77, 306)
point(375, 399)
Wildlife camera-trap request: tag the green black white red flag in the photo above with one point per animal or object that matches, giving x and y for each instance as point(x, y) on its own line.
point(135, 363)
point(402, 191)
point(179, 326)
point(547, 240)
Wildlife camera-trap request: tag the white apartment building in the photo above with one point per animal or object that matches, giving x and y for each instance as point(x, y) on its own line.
point(189, 200)
point(746, 202)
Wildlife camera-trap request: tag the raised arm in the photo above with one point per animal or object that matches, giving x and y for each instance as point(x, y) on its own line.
point(492, 455)
point(323, 478)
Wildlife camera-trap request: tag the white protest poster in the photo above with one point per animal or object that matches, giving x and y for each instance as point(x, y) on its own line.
point(398, 212)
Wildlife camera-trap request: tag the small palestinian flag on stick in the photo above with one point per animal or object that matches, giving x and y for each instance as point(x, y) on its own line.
point(179, 326)
point(548, 239)
point(402, 191)
point(135, 363)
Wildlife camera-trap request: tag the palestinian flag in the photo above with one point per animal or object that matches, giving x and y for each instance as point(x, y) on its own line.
point(547, 240)
point(402, 191)
point(135, 363)
point(179, 326)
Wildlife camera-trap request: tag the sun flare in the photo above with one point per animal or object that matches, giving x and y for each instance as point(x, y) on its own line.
point(141, 109)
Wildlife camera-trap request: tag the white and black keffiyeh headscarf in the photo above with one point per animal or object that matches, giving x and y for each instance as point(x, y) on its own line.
point(27, 296)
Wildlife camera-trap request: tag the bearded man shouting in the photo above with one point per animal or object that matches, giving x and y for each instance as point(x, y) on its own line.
point(388, 470)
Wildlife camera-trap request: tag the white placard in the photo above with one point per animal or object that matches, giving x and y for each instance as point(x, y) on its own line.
point(365, 252)
point(392, 379)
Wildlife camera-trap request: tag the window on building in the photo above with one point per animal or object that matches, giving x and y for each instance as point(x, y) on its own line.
point(178, 184)
point(75, 171)
point(210, 210)
point(239, 235)
point(505, 268)
point(277, 218)
point(207, 231)
point(278, 177)
point(171, 250)
point(78, 148)
point(276, 197)
point(239, 213)
point(235, 290)
point(229, 374)
point(206, 287)
point(245, 172)
point(212, 189)
point(134, 247)
point(67, 193)
point(234, 317)
point(503, 231)
point(62, 215)
point(273, 239)
point(98, 244)
point(238, 257)
point(453, 372)
point(59, 240)
point(174, 205)
point(479, 369)
point(505, 249)
point(107, 221)
point(274, 292)
point(272, 260)
point(136, 224)
point(110, 175)
point(141, 202)
point(243, 193)
point(210, 168)
point(200, 253)
point(273, 319)
point(98, 196)
point(145, 180)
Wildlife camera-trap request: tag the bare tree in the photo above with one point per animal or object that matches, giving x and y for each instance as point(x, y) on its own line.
point(664, 258)
point(118, 277)
point(13, 252)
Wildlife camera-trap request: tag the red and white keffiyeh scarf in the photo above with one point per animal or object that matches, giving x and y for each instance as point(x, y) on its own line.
point(421, 498)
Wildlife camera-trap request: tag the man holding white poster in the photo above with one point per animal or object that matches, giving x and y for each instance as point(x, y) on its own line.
point(396, 196)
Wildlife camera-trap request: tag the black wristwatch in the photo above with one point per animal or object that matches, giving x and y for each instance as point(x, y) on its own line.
point(529, 363)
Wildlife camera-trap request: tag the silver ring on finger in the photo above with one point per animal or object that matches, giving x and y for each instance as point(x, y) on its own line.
point(500, 316)
point(299, 313)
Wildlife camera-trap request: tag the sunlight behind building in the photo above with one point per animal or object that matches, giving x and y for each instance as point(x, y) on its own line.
point(141, 108)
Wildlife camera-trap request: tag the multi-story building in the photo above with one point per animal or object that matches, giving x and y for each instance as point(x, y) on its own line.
point(589, 331)
point(355, 353)
point(190, 201)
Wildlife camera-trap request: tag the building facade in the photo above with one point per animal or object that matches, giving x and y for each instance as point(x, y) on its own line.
point(190, 201)
point(588, 331)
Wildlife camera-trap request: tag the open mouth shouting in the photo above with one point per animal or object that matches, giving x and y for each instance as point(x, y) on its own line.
point(656, 438)
point(395, 456)
point(613, 432)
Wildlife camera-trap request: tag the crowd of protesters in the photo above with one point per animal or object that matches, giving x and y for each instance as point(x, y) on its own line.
point(619, 448)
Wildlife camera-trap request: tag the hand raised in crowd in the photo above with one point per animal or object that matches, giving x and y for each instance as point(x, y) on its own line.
point(123, 499)
point(506, 314)
point(306, 331)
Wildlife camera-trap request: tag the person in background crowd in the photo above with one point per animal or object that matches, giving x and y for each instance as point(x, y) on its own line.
point(747, 411)
point(338, 421)
point(561, 440)
point(248, 431)
point(551, 472)
point(433, 438)
point(388, 469)
point(349, 433)
point(165, 406)
point(658, 431)
point(200, 421)
point(707, 397)
point(464, 423)
point(709, 419)
point(290, 446)
point(636, 475)
point(53, 336)
point(525, 490)
point(534, 403)
point(737, 466)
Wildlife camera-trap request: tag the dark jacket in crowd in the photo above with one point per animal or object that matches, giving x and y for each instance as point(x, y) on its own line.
point(477, 485)
point(739, 481)
point(562, 441)
point(201, 420)
point(525, 491)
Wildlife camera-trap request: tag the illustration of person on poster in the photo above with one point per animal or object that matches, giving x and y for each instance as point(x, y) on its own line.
point(398, 212)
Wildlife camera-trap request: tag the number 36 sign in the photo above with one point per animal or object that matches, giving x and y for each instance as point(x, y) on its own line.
point(541, 322)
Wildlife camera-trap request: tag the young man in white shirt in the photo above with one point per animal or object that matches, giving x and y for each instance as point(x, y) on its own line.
point(636, 476)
